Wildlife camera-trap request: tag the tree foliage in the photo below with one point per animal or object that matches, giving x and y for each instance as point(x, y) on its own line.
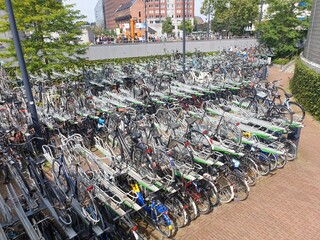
point(167, 26)
point(231, 15)
point(51, 35)
point(189, 26)
point(282, 29)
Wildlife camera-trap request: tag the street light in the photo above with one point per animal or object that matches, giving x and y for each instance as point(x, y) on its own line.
point(145, 20)
point(184, 36)
point(22, 64)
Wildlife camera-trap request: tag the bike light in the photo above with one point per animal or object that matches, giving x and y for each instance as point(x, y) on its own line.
point(211, 141)
point(205, 132)
point(185, 206)
point(90, 188)
point(238, 123)
point(186, 144)
point(134, 228)
point(149, 150)
point(170, 227)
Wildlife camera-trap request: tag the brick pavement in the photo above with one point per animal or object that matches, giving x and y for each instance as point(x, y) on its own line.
point(282, 206)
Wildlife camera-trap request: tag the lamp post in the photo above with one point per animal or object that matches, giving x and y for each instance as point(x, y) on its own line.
point(208, 28)
point(22, 64)
point(184, 35)
point(260, 18)
point(145, 20)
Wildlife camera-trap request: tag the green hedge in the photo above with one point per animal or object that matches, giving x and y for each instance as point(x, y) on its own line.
point(305, 86)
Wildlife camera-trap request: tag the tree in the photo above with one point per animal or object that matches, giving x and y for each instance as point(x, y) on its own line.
point(283, 29)
point(231, 15)
point(167, 26)
point(189, 26)
point(51, 33)
point(195, 24)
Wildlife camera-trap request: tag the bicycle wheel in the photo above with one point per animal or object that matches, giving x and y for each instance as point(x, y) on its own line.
point(183, 158)
point(280, 115)
point(262, 162)
point(250, 167)
point(142, 163)
point(177, 211)
point(200, 144)
point(59, 177)
point(202, 200)
point(225, 189)
point(89, 208)
point(193, 210)
point(291, 149)
point(229, 135)
point(213, 194)
point(162, 226)
point(165, 166)
point(298, 112)
point(241, 188)
point(249, 105)
point(273, 159)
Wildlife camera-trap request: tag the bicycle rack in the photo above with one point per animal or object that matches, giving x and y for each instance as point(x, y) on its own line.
point(21, 214)
point(67, 230)
point(77, 207)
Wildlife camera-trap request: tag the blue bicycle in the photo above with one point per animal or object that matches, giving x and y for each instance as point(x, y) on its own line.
point(156, 211)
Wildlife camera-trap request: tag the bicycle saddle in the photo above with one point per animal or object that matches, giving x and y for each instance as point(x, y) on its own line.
point(135, 135)
point(174, 126)
point(39, 160)
point(190, 120)
point(288, 95)
point(226, 108)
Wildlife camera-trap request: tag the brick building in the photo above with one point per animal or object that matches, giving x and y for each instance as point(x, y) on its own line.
point(118, 12)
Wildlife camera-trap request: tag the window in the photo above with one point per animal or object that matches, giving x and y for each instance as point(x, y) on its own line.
point(150, 6)
point(151, 21)
point(139, 20)
point(157, 11)
point(178, 11)
point(163, 6)
point(139, 14)
point(163, 11)
point(151, 11)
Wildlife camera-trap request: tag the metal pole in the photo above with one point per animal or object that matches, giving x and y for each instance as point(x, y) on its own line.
point(22, 64)
point(208, 30)
point(145, 19)
point(184, 35)
point(260, 18)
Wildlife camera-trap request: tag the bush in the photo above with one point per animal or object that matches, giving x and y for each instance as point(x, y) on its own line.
point(305, 86)
point(281, 61)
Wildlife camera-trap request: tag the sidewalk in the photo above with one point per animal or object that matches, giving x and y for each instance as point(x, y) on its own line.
point(282, 206)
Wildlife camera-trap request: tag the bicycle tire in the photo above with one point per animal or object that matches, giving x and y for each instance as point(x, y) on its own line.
point(241, 188)
point(250, 167)
point(298, 112)
point(249, 105)
point(281, 113)
point(262, 162)
point(202, 200)
point(200, 144)
point(225, 189)
point(291, 149)
point(142, 164)
point(177, 211)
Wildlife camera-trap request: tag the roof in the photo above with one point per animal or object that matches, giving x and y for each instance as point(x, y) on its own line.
point(199, 20)
point(125, 6)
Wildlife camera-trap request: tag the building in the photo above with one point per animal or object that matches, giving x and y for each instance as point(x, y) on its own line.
point(311, 53)
point(132, 10)
point(118, 11)
point(99, 14)
point(110, 7)
point(158, 10)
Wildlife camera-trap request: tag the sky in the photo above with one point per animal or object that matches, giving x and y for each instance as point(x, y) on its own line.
point(87, 7)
